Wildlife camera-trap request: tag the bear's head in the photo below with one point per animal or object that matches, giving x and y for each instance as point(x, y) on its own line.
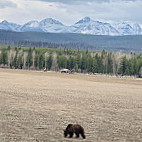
point(65, 133)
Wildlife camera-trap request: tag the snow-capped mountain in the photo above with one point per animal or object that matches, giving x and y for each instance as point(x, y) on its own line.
point(31, 26)
point(137, 28)
point(127, 28)
point(46, 25)
point(9, 26)
point(88, 26)
point(84, 26)
point(51, 25)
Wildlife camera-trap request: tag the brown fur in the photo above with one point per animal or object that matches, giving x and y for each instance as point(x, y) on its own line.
point(77, 129)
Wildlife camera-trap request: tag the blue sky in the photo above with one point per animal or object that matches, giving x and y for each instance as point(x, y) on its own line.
point(70, 11)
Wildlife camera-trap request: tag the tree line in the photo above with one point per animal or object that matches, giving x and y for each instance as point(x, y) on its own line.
point(78, 60)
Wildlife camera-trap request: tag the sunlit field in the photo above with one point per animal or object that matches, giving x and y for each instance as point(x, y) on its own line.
point(37, 106)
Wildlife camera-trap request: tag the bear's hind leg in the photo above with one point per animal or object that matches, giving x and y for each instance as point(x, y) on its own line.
point(83, 136)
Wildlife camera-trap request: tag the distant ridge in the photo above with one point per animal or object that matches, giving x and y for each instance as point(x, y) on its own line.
point(127, 43)
point(84, 26)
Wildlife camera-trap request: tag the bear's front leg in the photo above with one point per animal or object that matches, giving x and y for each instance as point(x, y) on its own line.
point(71, 135)
point(77, 135)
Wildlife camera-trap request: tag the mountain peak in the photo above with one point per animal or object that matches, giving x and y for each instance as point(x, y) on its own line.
point(84, 20)
point(4, 22)
point(51, 21)
point(87, 19)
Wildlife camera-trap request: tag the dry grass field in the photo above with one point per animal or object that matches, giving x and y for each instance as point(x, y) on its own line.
point(37, 106)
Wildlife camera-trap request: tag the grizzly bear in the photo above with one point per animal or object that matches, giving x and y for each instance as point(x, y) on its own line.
point(71, 129)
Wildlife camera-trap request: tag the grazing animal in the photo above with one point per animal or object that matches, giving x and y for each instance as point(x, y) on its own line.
point(77, 129)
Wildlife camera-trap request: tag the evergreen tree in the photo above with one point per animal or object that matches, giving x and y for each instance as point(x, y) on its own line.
point(29, 60)
point(3, 57)
point(84, 63)
point(49, 62)
point(90, 65)
point(62, 62)
point(109, 65)
point(123, 66)
point(20, 62)
point(36, 61)
point(15, 61)
point(78, 60)
point(94, 69)
point(71, 63)
point(76, 67)
point(41, 61)
point(100, 66)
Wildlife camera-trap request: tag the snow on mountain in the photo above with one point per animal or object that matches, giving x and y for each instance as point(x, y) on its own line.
point(128, 28)
point(85, 26)
point(137, 28)
point(46, 25)
point(51, 25)
point(9, 26)
point(88, 26)
point(31, 26)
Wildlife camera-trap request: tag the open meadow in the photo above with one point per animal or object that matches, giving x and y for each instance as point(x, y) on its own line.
point(36, 107)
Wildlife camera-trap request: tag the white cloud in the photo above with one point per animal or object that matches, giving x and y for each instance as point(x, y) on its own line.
point(73, 1)
point(7, 3)
point(29, 10)
point(82, 1)
point(62, 10)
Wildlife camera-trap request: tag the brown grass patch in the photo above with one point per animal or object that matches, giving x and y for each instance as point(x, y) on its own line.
point(37, 106)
